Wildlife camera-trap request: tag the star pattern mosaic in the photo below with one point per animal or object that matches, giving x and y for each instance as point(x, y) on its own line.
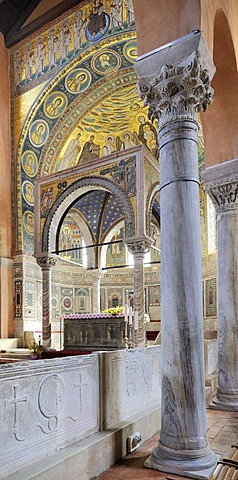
point(100, 210)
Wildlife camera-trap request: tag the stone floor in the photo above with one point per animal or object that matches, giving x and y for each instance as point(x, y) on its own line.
point(222, 430)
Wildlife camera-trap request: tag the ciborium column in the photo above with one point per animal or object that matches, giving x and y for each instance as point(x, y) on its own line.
point(96, 280)
point(175, 92)
point(221, 183)
point(138, 246)
point(46, 262)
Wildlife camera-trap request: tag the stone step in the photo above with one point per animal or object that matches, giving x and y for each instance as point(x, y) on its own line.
point(211, 381)
point(208, 391)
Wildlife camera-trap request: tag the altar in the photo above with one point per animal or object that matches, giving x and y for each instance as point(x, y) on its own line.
point(91, 331)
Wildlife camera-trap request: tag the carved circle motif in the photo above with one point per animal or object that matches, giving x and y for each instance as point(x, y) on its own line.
point(51, 396)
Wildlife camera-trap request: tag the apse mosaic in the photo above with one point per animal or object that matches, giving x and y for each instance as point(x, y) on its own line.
point(88, 106)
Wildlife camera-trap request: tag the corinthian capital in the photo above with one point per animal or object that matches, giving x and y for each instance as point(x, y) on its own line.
point(177, 90)
point(45, 261)
point(221, 184)
point(138, 246)
point(224, 195)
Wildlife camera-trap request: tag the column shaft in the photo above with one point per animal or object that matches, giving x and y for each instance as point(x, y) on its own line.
point(227, 234)
point(46, 307)
point(139, 300)
point(138, 246)
point(46, 262)
point(222, 185)
point(96, 294)
point(183, 414)
point(174, 96)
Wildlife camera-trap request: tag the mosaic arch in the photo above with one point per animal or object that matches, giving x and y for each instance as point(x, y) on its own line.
point(75, 89)
point(68, 198)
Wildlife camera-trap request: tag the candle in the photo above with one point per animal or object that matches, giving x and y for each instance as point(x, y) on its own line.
point(136, 320)
point(126, 312)
point(130, 315)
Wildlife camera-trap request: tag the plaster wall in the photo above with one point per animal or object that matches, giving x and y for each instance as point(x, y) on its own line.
point(6, 298)
point(167, 21)
point(5, 154)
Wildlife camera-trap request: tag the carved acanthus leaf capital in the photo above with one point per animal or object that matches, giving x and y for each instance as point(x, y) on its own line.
point(46, 262)
point(178, 92)
point(224, 194)
point(138, 246)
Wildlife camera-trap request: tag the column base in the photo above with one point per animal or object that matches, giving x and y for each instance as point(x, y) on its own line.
point(193, 465)
point(225, 402)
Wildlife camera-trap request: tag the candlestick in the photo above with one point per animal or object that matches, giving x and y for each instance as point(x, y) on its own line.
point(130, 315)
point(126, 312)
point(126, 337)
point(130, 342)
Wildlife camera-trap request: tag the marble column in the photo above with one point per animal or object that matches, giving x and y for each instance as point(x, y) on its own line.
point(221, 183)
point(138, 246)
point(96, 279)
point(46, 263)
point(175, 92)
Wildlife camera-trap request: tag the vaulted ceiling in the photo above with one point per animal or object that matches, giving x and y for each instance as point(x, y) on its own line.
point(14, 15)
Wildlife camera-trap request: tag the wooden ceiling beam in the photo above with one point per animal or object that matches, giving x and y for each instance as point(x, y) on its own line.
point(16, 33)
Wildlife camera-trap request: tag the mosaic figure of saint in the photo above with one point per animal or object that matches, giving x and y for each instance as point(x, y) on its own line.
point(71, 152)
point(130, 16)
point(29, 222)
point(40, 54)
point(74, 83)
point(147, 131)
point(109, 147)
point(127, 141)
point(38, 133)
point(46, 199)
point(131, 178)
point(53, 47)
point(55, 106)
point(27, 191)
point(65, 39)
point(90, 151)
point(18, 68)
point(116, 14)
point(29, 163)
point(79, 30)
point(29, 58)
